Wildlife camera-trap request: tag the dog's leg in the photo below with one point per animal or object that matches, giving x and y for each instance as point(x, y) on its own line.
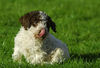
point(16, 56)
point(35, 58)
point(57, 56)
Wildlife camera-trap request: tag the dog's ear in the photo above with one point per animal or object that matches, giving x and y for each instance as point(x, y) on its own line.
point(25, 21)
point(53, 26)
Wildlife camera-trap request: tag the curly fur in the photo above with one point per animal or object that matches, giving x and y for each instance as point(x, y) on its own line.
point(39, 50)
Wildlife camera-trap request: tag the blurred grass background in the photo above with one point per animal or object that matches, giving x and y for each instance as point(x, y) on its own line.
point(78, 25)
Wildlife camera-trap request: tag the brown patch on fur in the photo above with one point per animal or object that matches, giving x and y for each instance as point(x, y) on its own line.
point(29, 19)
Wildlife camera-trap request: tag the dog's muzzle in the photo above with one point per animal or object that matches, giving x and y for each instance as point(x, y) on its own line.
point(42, 33)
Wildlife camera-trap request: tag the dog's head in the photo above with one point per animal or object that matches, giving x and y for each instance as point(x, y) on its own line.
point(38, 23)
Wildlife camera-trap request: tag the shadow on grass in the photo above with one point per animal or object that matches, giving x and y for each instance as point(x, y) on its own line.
point(86, 57)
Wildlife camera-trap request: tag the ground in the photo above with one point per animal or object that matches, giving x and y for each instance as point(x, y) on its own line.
point(78, 25)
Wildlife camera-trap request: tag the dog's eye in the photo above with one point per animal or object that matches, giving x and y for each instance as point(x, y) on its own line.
point(35, 24)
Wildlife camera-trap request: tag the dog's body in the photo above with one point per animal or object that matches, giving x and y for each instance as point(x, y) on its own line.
point(36, 43)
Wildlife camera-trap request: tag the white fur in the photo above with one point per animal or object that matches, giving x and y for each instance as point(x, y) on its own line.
point(48, 50)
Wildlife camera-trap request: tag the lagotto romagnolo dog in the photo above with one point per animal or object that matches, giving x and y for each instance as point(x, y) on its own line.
point(35, 43)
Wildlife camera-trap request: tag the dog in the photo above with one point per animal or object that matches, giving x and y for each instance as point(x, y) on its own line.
point(35, 43)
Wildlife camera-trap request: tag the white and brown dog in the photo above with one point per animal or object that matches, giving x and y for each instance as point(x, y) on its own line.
point(35, 43)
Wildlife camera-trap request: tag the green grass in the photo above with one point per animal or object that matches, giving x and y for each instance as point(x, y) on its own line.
point(78, 25)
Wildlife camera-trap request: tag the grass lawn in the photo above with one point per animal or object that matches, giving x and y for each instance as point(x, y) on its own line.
point(78, 25)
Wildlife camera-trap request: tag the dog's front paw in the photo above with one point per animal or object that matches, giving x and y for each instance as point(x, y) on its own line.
point(57, 56)
point(16, 57)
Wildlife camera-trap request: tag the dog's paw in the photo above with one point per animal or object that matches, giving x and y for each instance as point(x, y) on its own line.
point(16, 57)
